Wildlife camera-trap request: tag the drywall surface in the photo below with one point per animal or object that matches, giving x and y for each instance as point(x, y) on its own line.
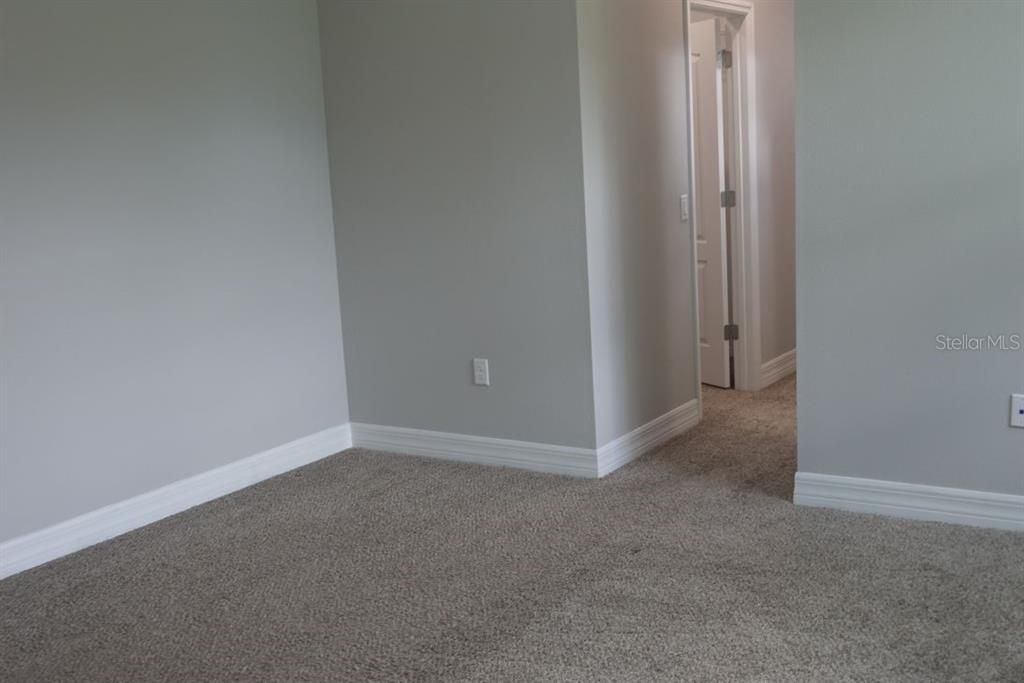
point(633, 71)
point(168, 284)
point(910, 225)
point(776, 194)
point(455, 155)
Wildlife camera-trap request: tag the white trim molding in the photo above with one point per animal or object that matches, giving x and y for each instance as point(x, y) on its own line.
point(913, 501)
point(526, 455)
point(645, 438)
point(80, 532)
point(739, 7)
point(778, 368)
point(47, 544)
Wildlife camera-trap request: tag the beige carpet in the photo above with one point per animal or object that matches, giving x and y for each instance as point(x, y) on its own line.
point(690, 564)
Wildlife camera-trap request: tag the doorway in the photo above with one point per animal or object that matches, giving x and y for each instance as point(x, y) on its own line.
point(724, 192)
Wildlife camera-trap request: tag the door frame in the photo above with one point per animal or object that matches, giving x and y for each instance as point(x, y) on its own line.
point(744, 256)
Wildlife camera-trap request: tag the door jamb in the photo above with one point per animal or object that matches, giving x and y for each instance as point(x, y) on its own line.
point(745, 255)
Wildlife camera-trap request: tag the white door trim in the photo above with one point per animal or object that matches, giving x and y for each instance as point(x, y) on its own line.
point(745, 254)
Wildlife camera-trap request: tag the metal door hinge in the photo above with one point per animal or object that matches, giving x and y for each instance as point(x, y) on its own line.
point(725, 59)
point(728, 199)
point(732, 332)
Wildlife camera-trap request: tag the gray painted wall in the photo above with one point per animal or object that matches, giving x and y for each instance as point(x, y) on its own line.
point(773, 47)
point(633, 71)
point(910, 224)
point(455, 151)
point(168, 285)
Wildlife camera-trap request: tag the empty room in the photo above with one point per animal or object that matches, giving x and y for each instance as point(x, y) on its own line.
point(511, 340)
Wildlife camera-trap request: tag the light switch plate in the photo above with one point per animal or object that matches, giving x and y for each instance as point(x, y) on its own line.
point(1017, 410)
point(684, 208)
point(481, 372)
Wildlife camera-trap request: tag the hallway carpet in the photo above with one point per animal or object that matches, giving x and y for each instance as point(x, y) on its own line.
point(688, 565)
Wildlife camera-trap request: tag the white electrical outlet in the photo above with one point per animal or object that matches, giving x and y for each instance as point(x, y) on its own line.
point(684, 208)
point(481, 372)
point(1017, 410)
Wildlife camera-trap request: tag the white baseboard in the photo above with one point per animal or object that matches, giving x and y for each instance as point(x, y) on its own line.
point(913, 501)
point(113, 520)
point(539, 457)
point(526, 455)
point(645, 438)
point(778, 368)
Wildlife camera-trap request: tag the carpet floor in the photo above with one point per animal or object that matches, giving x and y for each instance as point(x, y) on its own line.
point(689, 564)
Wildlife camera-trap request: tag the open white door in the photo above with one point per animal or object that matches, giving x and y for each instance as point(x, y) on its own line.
point(712, 247)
